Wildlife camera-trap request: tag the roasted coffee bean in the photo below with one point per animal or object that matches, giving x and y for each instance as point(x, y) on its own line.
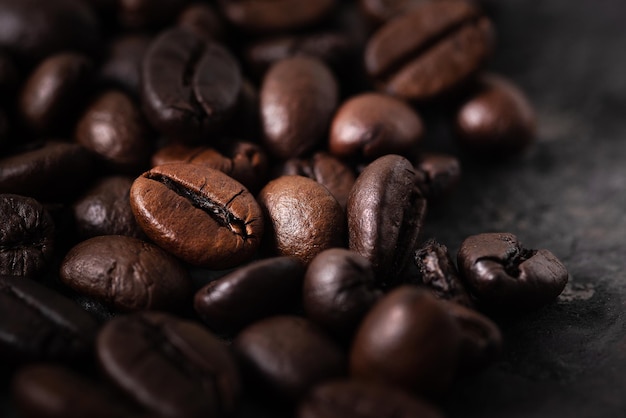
point(371, 125)
point(114, 128)
point(52, 391)
point(502, 274)
point(264, 288)
point(438, 174)
point(285, 356)
point(298, 98)
point(145, 14)
point(203, 20)
point(38, 324)
point(189, 86)
point(429, 51)
point(436, 271)
point(380, 11)
point(174, 368)
point(497, 120)
point(55, 171)
point(339, 289)
point(198, 214)
point(127, 274)
point(302, 217)
point(325, 169)
point(54, 92)
point(359, 399)
point(386, 211)
point(408, 340)
point(9, 77)
point(122, 64)
point(275, 15)
point(26, 236)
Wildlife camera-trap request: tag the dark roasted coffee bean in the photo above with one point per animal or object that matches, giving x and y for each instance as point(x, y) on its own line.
point(127, 274)
point(260, 289)
point(285, 356)
point(51, 391)
point(8, 77)
point(325, 169)
point(436, 271)
point(298, 98)
point(386, 211)
point(339, 290)
point(429, 51)
point(38, 324)
point(275, 15)
point(54, 171)
point(203, 20)
point(380, 11)
point(407, 340)
point(145, 14)
point(122, 64)
point(54, 92)
point(189, 86)
point(359, 399)
point(114, 128)
point(371, 125)
point(26, 236)
point(198, 214)
point(302, 217)
point(439, 174)
point(172, 367)
point(503, 274)
point(497, 120)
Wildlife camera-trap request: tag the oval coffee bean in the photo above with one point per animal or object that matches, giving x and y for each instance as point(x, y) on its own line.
point(198, 214)
point(503, 274)
point(172, 367)
point(298, 98)
point(303, 218)
point(189, 86)
point(126, 273)
point(407, 340)
point(429, 51)
point(121, 67)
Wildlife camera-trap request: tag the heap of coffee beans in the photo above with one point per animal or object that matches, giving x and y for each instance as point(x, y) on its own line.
point(210, 204)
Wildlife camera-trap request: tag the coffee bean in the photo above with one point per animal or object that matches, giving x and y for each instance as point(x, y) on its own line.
point(385, 214)
point(407, 340)
point(26, 236)
point(260, 289)
point(339, 290)
point(303, 218)
point(189, 86)
point(172, 367)
point(502, 274)
point(144, 14)
point(198, 214)
point(429, 51)
point(497, 120)
point(122, 63)
point(203, 20)
point(439, 174)
point(285, 356)
point(298, 98)
point(371, 125)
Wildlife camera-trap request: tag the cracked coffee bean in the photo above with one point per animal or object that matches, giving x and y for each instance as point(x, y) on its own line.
point(504, 275)
point(172, 367)
point(198, 214)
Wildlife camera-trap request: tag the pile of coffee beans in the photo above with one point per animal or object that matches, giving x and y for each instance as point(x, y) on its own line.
point(207, 205)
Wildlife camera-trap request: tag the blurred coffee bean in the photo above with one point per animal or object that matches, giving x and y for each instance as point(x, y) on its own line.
point(438, 174)
point(203, 20)
point(122, 63)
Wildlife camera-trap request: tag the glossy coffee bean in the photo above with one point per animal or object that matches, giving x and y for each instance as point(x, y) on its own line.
point(122, 63)
point(189, 86)
point(54, 92)
point(26, 236)
point(298, 98)
point(497, 120)
point(198, 214)
point(385, 215)
point(371, 125)
point(127, 274)
point(285, 356)
point(263, 288)
point(360, 399)
point(203, 20)
point(114, 129)
point(407, 340)
point(439, 174)
point(339, 289)
point(104, 209)
point(429, 51)
point(172, 367)
point(145, 14)
point(302, 217)
point(503, 274)
point(380, 11)
point(38, 324)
